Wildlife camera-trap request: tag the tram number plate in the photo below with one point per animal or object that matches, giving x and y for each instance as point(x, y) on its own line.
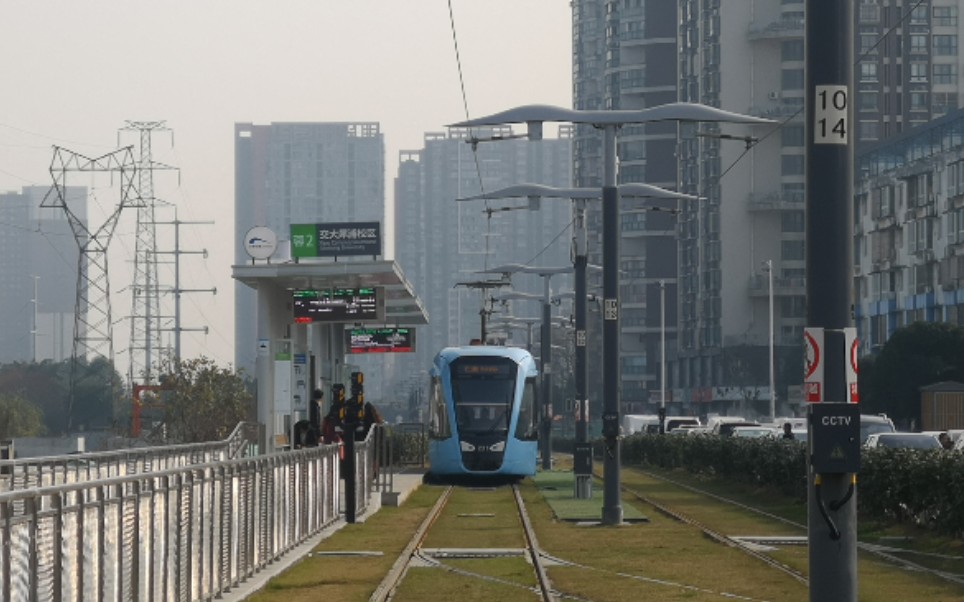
point(611, 309)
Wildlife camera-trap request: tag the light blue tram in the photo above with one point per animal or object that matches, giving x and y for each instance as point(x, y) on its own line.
point(483, 412)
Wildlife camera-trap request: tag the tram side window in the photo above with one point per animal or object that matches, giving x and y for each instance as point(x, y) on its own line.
point(439, 427)
point(526, 427)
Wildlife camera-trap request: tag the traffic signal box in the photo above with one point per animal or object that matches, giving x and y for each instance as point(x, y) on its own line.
point(355, 406)
point(582, 459)
point(834, 437)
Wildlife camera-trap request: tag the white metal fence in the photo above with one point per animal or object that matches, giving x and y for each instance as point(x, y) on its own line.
point(190, 532)
point(45, 471)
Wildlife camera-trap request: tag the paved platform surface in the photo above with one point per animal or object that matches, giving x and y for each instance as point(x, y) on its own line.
point(403, 484)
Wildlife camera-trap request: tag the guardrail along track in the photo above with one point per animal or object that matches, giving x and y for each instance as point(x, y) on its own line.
point(447, 523)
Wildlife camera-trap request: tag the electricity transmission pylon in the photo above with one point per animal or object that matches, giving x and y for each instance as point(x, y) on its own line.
point(93, 330)
point(145, 341)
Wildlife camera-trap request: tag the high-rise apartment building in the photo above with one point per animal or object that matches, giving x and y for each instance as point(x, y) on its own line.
point(301, 173)
point(909, 230)
point(625, 57)
point(908, 189)
point(443, 246)
point(748, 58)
point(907, 59)
point(38, 275)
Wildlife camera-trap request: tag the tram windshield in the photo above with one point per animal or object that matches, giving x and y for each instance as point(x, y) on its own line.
point(482, 389)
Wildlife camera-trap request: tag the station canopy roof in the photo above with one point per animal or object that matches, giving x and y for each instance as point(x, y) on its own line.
point(402, 305)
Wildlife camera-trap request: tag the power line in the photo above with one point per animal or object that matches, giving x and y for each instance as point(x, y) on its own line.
point(862, 56)
point(475, 150)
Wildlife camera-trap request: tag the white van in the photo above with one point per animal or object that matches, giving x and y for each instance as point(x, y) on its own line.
point(637, 423)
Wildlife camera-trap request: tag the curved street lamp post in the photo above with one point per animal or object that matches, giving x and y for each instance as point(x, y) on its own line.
point(610, 121)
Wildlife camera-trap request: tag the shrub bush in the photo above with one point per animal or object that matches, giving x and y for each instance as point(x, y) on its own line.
point(925, 488)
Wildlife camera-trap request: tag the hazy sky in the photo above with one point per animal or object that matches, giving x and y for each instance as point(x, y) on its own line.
point(74, 72)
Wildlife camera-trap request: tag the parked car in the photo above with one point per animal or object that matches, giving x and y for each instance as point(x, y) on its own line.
point(683, 429)
point(754, 432)
point(903, 441)
point(714, 421)
point(675, 422)
point(725, 429)
point(671, 423)
point(698, 430)
point(875, 423)
point(795, 422)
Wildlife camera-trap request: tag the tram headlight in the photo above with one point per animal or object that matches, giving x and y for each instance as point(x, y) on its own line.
point(467, 447)
point(497, 447)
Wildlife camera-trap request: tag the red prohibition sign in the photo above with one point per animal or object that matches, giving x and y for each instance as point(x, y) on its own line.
point(853, 355)
point(811, 355)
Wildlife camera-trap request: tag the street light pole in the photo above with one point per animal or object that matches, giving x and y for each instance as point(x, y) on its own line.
point(534, 116)
point(545, 349)
point(612, 510)
point(580, 261)
point(773, 393)
point(580, 265)
point(829, 148)
point(546, 353)
point(662, 357)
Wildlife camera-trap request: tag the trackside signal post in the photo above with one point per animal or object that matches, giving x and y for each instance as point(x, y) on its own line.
point(830, 373)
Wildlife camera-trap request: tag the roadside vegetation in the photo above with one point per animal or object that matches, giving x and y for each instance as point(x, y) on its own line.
point(914, 488)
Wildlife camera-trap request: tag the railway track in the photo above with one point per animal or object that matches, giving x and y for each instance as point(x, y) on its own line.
point(889, 554)
point(720, 537)
point(417, 554)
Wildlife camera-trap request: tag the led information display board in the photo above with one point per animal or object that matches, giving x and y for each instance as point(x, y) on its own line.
point(337, 305)
point(380, 340)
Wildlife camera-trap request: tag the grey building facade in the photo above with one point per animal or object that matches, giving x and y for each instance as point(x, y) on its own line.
point(909, 231)
point(38, 275)
point(300, 173)
point(625, 57)
point(443, 246)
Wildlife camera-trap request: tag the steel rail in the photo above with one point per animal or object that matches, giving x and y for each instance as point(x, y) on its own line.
point(879, 551)
point(414, 551)
point(719, 537)
point(386, 589)
point(535, 552)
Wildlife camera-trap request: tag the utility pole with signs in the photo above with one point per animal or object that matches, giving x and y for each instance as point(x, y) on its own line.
point(830, 376)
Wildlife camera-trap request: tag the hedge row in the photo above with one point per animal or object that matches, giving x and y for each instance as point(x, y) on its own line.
point(769, 462)
point(925, 488)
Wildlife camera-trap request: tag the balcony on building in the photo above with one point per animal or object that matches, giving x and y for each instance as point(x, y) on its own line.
point(779, 104)
point(759, 286)
point(787, 200)
point(789, 25)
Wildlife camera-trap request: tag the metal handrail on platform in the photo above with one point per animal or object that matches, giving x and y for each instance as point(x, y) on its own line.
point(177, 532)
point(28, 473)
point(189, 533)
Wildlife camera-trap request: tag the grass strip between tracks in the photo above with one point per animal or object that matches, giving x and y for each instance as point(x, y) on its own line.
point(660, 560)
